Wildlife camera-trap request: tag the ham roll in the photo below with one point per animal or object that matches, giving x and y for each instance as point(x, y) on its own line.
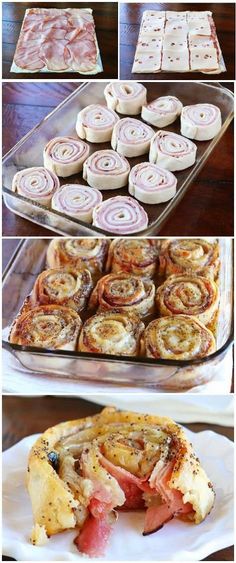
point(172, 151)
point(121, 215)
point(80, 471)
point(131, 137)
point(65, 156)
point(163, 111)
point(189, 256)
point(179, 337)
point(124, 292)
point(126, 97)
point(79, 254)
point(77, 201)
point(110, 332)
point(37, 183)
point(133, 256)
point(201, 121)
point(95, 123)
point(106, 170)
point(151, 184)
point(49, 326)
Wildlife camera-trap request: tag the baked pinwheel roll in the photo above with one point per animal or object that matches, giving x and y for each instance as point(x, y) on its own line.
point(124, 292)
point(65, 156)
point(76, 201)
point(178, 337)
point(131, 137)
point(95, 123)
point(78, 254)
point(172, 151)
point(126, 97)
point(201, 121)
point(49, 326)
point(106, 170)
point(151, 184)
point(189, 256)
point(163, 111)
point(80, 471)
point(133, 256)
point(110, 332)
point(121, 215)
point(37, 183)
point(188, 295)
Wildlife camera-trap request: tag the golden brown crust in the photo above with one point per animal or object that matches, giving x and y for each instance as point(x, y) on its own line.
point(124, 293)
point(189, 256)
point(138, 257)
point(80, 254)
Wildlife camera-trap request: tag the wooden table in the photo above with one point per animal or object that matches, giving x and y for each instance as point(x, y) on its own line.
point(207, 207)
point(106, 22)
point(130, 19)
point(24, 416)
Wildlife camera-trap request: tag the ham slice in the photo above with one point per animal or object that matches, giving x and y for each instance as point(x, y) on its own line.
point(53, 53)
point(94, 536)
point(81, 52)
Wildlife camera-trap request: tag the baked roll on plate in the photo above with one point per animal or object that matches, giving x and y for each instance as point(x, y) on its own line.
point(90, 253)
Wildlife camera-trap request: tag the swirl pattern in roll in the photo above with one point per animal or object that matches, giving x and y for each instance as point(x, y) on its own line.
point(79, 254)
point(95, 123)
point(172, 151)
point(189, 256)
point(124, 292)
point(48, 326)
point(178, 337)
point(126, 97)
point(121, 215)
point(162, 112)
point(151, 184)
point(106, 170)
point(110, 332)
point(65, 156)
point(36, 183)
point(188, 295)
point(201, 121)
point(133, 256)
point(131, 137)
point(77, 201)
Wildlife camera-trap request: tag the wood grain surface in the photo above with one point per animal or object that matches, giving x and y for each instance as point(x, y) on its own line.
point(106, 23)
point(130, 19)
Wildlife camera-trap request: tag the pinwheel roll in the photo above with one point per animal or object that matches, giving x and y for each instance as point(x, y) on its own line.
point(65, 156)
point(172, 151)
point(77, 201)
point(131, 137)
point(188, 295)
point(106, 170)
point(133, 256)
point(37, 183)
point(126, 460)
point(124, 292)
point(151, 184)
point(79, 254)
point(163, 111)
point(95, 123)
point(48, 326)
point(121, 215)
point(201, 121)
point(111, 332)
point(189, 256)
point(178, 337)
point(126, 97)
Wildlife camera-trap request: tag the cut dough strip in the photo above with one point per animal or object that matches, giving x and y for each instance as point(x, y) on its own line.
point(106, 170)
point(172, 151)
point(151, 184)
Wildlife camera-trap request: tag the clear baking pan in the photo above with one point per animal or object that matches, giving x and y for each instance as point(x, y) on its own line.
point(29, 152)
point(18, 279)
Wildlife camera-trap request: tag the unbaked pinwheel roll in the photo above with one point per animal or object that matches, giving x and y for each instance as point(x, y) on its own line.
point(110, 332)
point(95, 123)
point(79, 254)
point(65, 156)
point(106, 170)
point(179, 337)
point(80, 471)
point(49, 326)
point(126, 97)
point(131, 137)
point(76, 201)
point(163, 111)
point(151, 184)
point(188, 295)
point(201, 121)
point(124, 293)
point(133, 256)
point(189, 256)
point(172, 151)
point(121, 215)
point(37, 183)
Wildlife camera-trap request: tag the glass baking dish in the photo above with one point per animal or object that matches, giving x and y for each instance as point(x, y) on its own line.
point(18, 279)
point(29, 152)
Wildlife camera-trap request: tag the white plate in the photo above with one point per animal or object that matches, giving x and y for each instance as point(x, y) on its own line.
point(176, 541)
